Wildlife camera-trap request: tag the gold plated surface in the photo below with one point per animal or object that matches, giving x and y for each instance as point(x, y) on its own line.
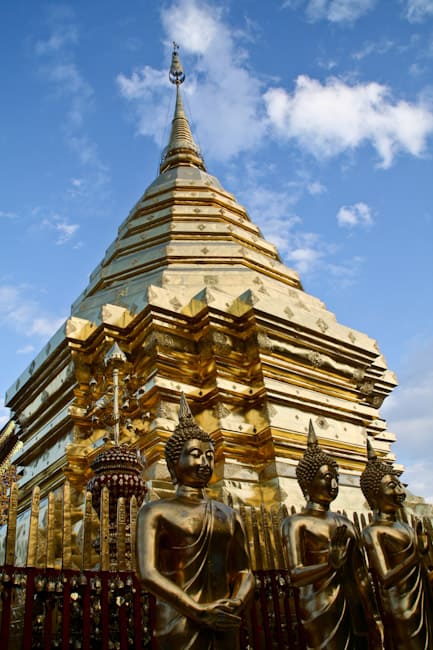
point(121, 534)
point(192, 551)
point(133, 532)
point(32, 548)
point(11, 535)
point(105, 529)
point(325, 562)
point(51, 527)
point(67, 527)
point(396, 552)
point(87, 527)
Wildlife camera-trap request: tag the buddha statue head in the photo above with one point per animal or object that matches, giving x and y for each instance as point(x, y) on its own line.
point(317, 472)
point(380, 484)
point(189, 451)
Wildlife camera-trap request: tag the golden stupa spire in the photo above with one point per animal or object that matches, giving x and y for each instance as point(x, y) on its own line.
point(181, 148)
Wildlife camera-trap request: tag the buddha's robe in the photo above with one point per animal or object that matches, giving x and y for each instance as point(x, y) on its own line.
point(325, 613)
point(405, 603)
point(201, 569)
point(330, 607)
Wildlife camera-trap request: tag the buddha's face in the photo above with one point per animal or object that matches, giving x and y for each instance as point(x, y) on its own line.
point(324, 486)
point(391, 494)
point(195, 464)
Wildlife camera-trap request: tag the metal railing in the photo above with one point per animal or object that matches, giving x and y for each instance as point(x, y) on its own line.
point(77, 587)
point(106, 610)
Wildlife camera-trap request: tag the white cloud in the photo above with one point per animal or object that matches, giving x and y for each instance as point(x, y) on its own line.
point(416, 69)
point(142, 83)
point(65, 231)
point(358, 214)
point(270, 208)
point(326, 64)
point(331, 118)
point(26, 349)
point(345, 272)
point(77, 188)
point(4, 413)
point(273, 211)
point(68, 76)
point(57, 66)
point(250, 179)
point(310, 255)
point(69, 82)
point(224, 95)
point(269, 204)
point(376, 47)
point(336, 11)
point(418, 477)
point(316, 187)
point(409, 412)
point(45, 326)
point(20, 310)
point(62, 36)
point(7, 215)
point(147, 88)
point(234, 112)
point(8, 296)
point(305, 253)
point(88, 155)
point(198, 26)
point(419, 10)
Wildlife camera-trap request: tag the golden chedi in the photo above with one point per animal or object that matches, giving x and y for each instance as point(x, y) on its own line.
point(201, 303)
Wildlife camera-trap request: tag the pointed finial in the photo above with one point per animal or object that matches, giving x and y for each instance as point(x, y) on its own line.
point(371, 454)
point(176, 73)
point(184, 410)
point(312, 438)
point(115, 355)
point(181, 148)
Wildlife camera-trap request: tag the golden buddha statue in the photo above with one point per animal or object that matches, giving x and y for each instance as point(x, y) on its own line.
point(192, 551)
point(326, 563)
point(395, 551)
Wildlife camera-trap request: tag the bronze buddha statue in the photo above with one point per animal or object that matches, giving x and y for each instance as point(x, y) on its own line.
point(192, 551)
point(395, 551)
point(326, 563)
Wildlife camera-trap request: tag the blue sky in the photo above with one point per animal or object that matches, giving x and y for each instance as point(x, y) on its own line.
point(316, 114)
